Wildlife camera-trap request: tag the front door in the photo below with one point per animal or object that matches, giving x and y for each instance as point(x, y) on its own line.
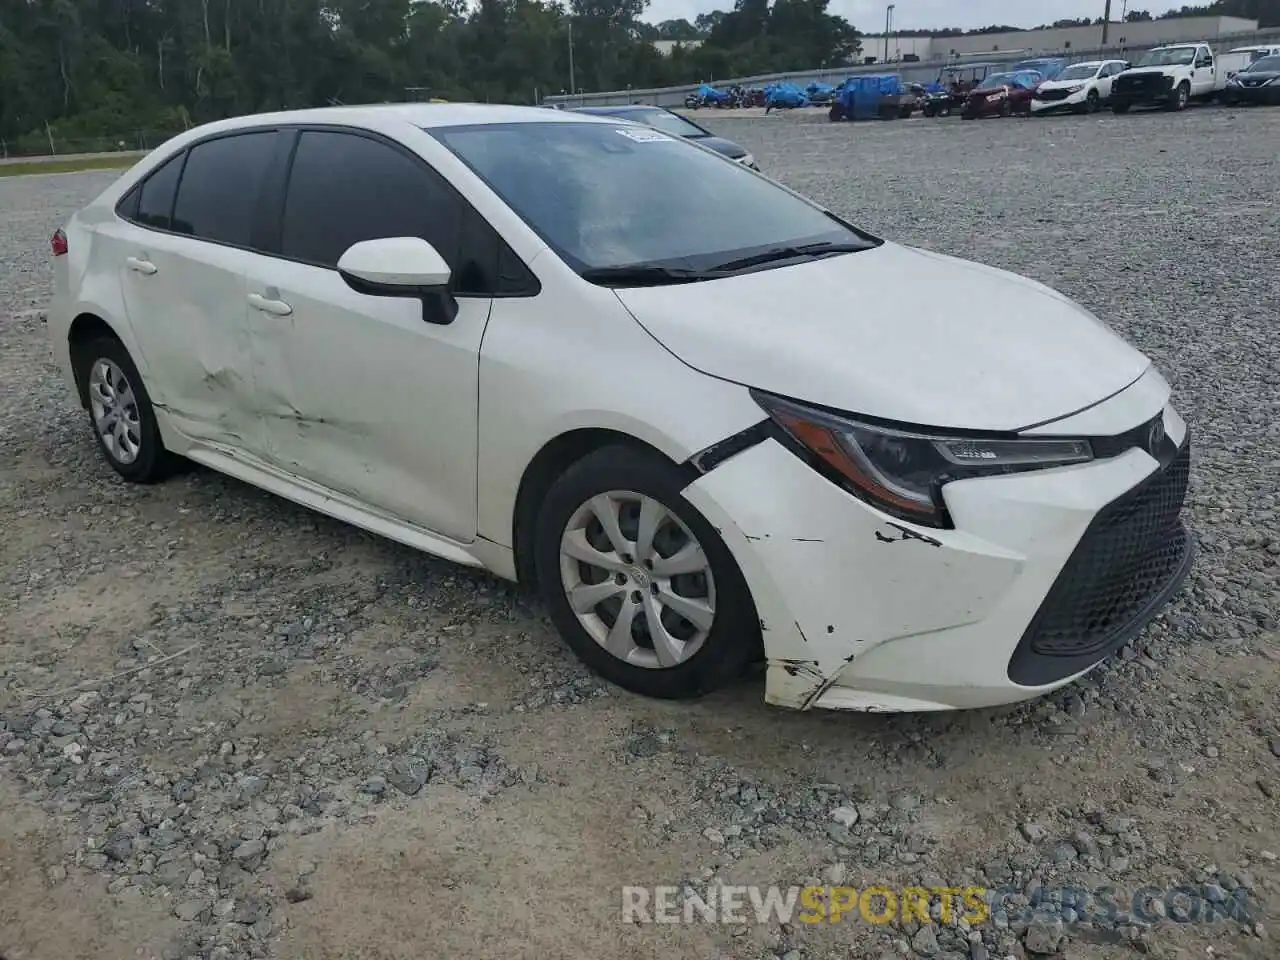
point(361, 394)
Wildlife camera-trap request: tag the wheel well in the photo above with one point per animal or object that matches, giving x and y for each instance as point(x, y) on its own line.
point(85, 329)
point(557, 456)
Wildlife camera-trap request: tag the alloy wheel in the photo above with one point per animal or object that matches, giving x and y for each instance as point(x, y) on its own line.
point(637, 579)
point(115, 411)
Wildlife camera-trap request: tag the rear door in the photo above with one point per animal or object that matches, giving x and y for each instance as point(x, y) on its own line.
point(183, 278)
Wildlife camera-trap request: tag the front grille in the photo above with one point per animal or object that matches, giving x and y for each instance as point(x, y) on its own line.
point(1132, 554)
point(1148, 84)
point(1051, 95)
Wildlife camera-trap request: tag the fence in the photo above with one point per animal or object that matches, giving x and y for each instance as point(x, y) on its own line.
point(923, 71)
point(50, 144)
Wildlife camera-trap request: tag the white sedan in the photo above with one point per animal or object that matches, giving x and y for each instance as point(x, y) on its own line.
point(714, 423)
point(1079, 88)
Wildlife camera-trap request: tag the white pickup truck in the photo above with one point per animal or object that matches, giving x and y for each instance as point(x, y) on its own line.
point(1170, 77)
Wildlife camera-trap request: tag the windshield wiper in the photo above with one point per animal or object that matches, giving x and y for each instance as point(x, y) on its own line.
point(645, 275)
point(791, 253)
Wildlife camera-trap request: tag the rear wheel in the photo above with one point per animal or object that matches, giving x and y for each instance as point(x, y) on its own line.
point(639, 584)
point(120, 411)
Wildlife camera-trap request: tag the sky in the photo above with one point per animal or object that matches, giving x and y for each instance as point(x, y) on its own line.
point(868, 15)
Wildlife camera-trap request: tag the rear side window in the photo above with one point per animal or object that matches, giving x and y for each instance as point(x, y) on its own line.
point(150, 204)
point(218, 195)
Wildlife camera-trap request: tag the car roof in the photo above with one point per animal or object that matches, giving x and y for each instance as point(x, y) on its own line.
point(616, 108)
point(421, 115)
point(1178, 46)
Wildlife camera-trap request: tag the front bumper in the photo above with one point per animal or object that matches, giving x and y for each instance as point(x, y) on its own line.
point(1068, 105)
point(859, 612)
point(1241, 94)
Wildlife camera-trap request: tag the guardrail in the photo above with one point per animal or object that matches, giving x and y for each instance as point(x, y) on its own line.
point(923, 71)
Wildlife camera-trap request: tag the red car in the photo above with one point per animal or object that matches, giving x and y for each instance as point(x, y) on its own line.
point(1002, 94)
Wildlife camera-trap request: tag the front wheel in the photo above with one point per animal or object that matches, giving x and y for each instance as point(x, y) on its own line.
point(1120, 108)
point(1181, 97)
point(639, 584)
point(1092, 103)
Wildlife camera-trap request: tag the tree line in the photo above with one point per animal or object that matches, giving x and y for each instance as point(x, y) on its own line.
point(79, 70)
point(93, 71)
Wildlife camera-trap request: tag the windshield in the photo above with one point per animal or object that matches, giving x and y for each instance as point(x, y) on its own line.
point(662, 120)
point(1265, 65)
point(604, 196)
point(1175, 56)
point(1080, 71)
point(999, 80)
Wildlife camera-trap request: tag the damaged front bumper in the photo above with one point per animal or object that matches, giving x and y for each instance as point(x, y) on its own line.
point(859, 612)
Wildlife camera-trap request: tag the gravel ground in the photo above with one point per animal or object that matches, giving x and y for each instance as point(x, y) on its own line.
point(231, 728)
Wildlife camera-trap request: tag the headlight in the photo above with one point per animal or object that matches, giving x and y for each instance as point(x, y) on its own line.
point(1233, 80)
point(1076, 89)
point(902, 472)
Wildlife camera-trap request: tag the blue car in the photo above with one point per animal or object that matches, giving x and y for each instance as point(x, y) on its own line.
point(660, 118)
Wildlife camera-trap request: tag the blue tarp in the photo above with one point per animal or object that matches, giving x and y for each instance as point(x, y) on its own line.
point(860, 95)
point(784, 95)
point(708, 92)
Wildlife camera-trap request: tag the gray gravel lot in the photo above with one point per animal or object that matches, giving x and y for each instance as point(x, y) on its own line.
point(231, 728)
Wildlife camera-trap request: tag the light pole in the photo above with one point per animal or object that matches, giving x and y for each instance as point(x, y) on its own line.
point(888, 26)
point(1106, 22)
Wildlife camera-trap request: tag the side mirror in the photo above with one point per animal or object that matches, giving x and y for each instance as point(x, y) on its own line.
point(401, 267)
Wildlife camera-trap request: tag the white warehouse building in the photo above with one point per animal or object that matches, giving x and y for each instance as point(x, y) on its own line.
point(1059, 39)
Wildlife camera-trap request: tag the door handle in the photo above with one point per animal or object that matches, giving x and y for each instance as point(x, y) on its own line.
point(277, 308)
point(139, 265)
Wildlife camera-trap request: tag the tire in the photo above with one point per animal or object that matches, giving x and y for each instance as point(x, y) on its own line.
point(1092, 103)
point(615, 481)
point(1181, 97)
point(1120, 108)
point(1006, 109)
point(836, 113)
point(130, 441)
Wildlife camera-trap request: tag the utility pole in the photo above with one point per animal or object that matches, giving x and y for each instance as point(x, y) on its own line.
point(572, 86)
point(888, 26)
point(1106, 22)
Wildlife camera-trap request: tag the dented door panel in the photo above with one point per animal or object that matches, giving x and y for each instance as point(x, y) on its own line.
point(189, 316)
point(363, 396)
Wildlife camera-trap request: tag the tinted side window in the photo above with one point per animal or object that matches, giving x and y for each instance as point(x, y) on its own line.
point(345, 188)
point(218, 196)
point(155, 199)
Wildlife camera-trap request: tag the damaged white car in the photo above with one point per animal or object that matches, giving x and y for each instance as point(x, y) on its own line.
point(714, 423)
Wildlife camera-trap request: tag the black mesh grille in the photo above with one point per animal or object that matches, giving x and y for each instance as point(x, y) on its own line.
point(1051, 95)
point(1120, 570)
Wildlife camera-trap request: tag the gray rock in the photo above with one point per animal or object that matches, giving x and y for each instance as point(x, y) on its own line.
point(409, 774)
point(249, 850)
point(1044, 935)
point(190, 910)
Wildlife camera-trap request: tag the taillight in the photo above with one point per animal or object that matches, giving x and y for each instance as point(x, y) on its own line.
point(58, 242)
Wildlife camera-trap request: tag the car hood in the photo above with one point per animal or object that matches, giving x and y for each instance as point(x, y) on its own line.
point(1063, 84)
point(1151, 71)
point(721, 145)
point(1259, 77)
point(897, 333)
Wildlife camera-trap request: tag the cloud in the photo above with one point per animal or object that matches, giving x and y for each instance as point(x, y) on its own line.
point(868, 15)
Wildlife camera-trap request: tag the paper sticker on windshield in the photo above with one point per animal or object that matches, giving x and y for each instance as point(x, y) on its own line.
point(644, 136)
